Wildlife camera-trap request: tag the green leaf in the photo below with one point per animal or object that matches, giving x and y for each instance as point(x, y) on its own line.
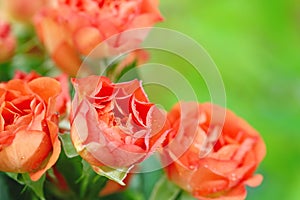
point(165, 189)
point(68, 146)
point(4, 190)
point(117, 175)
point(36, 186)
point(71, 170)
point(10, 189)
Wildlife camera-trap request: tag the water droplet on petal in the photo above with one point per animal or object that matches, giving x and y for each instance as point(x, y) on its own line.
point(233, 177)
point(191, 167)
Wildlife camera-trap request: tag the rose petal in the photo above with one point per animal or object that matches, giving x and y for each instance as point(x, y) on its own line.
point(45, 87)
point(86, 39)
point(18, 157)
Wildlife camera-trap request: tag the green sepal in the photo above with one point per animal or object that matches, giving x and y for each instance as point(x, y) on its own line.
point(68, 146)
point(117, 175)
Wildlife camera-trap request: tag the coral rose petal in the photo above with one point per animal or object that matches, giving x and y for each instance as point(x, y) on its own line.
point(206, 182)
point(18, 157)
point(56, 149)
point(86, 39)
point(45, 87)
point(254, 181)
point(66, 58)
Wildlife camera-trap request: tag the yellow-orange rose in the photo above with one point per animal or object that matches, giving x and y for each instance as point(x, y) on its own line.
point(29, 126)
point(224, 172)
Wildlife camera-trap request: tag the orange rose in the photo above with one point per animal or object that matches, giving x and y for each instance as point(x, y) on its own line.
point(224, 172)
point(7, 42)
point(63, 100)
point(114, 124)
point(29, 126)
point(75, 27)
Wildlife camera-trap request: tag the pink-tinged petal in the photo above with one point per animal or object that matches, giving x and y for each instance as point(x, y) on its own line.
point(146, 20)
point(245, 147)
point(103, 128)
point(86, 86)
point(26, 77)
point(80, 127)
point(140, 111)
point(116, 156)
point(254, 181)
point(159, 127)
point(225, 152)
point(128, 88)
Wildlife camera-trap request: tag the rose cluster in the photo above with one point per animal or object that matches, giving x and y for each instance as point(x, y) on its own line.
point(115, 125)
point(204, 149)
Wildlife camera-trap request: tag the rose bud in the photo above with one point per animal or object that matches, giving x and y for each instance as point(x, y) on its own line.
point(7, 42)
point(70, 29)
point(29, 126)
point(215, 167)
point(114, 124)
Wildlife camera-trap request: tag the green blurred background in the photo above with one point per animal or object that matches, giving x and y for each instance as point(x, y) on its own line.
point(256, 46)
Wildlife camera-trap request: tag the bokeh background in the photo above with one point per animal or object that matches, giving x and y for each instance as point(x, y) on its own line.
point(256, 46)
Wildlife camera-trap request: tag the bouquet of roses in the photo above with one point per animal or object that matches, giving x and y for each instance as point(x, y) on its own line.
point(76, 121)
